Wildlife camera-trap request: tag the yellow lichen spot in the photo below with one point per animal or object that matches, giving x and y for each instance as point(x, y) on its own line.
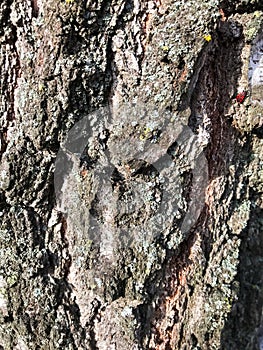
point(257, 14)
point(207, 37)
point(250, 33)
point(69, 1)
point(165, 48)
point(40, 87)
point(145, 133)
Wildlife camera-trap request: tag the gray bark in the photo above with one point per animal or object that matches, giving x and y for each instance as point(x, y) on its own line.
point(147, 232)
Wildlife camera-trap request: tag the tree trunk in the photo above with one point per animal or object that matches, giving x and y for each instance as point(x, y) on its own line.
point(131, 168)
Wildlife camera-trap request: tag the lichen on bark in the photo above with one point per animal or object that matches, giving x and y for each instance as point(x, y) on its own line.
point(150, 65)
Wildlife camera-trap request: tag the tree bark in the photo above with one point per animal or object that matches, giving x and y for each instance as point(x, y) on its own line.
point(131, 174)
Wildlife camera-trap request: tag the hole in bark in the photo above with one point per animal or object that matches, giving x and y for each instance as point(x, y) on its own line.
point(181, 63)
point(207, 337)
point(165, 59)
point(194, 340)
point(258, 132)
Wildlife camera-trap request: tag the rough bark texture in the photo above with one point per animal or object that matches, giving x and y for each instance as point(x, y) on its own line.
point(194, 288)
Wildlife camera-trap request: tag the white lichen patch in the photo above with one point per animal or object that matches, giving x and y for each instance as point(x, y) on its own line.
point(256, 72)
point(4, 174)
point(127, 311)
point(3, 298)
point(240, 217)
point(21, 345)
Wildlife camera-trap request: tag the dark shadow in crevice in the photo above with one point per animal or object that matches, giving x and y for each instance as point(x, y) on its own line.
point(230, 7)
